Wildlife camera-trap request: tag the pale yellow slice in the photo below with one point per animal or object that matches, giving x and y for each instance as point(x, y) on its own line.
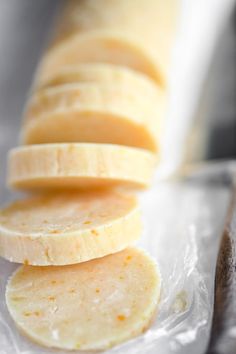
point(98, 73)
point(79, 166)
point(138, 34)
point(87, 112)
point(89, 306)
point(68, 228)
point(111, 47)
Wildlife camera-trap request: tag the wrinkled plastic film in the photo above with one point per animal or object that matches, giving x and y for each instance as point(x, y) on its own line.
point(183, 224)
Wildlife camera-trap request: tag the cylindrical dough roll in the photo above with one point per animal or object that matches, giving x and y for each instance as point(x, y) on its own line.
point(79, 165)
point(97, 113)
point(67, 228)
point(137, 33)
point(89, 306)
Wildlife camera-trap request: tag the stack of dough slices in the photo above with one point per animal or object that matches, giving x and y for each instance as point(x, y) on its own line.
point(136, 34)
point(90, 138)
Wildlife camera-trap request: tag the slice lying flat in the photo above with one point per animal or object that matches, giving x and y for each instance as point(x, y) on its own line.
point(68, 227)
point(95, 113)
point(89, 306)
point(79, 166)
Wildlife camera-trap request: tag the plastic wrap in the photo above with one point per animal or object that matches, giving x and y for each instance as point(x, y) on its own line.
point(182, 227)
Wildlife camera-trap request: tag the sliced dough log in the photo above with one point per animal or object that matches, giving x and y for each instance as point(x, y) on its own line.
point(90, 306)
point(79, 166)
point(85, 112)
point(68, 227)
point(138, 34)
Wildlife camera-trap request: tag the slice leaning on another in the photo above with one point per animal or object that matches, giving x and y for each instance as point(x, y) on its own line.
point(95, 113)
point(79, 165)
point(67, 228)
point(98, 73)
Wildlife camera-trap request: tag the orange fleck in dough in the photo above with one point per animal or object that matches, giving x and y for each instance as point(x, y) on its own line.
point(121, 317)
point(17, 298)
point(51, 298)
point(27, 314)
point(72, 291)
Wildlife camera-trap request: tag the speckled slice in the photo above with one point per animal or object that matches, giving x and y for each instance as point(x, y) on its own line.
point(67, 228)
point(89, 306)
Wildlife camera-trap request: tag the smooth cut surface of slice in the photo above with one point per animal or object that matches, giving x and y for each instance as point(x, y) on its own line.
point(89, 306)
point(79, 165)
point(86, 112)
point(67, 228)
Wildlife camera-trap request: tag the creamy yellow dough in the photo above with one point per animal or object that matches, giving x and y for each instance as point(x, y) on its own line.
point(89, 306)
point(85, 112)
point(111, 47)
point(98, 73)
point(66, 228)
point(137, 34)
point(79, 166)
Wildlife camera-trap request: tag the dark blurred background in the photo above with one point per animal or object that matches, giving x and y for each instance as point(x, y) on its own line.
point(24, 28)
point(219, 95)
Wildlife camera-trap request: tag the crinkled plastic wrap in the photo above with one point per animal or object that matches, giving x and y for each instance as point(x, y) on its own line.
point(183, 223)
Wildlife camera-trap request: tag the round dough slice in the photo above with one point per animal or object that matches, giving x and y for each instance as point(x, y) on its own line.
point(103, 74)
point(94, 113)
point(67, 228)
point(79, 166)
point(89, 306)
point(111, 47)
